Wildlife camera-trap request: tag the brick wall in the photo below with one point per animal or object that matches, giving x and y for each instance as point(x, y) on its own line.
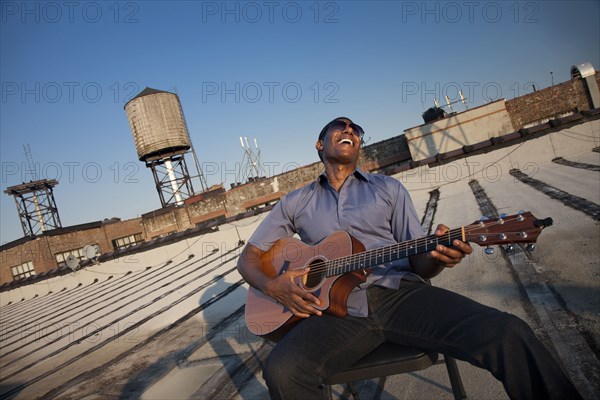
point(42, 250)
point(549, 102)
point(119, 229)
point(207, 208)
point(386, 153)
point(160, 222)
point(78, 239)
point(37, 251)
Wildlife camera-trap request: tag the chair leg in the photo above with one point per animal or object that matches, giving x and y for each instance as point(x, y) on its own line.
point(455, 381)
point(353, 390)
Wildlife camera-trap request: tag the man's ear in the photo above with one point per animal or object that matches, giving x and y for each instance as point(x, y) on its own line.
point(319, 145)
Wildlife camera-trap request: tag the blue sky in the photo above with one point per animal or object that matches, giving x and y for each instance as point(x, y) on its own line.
point(272, 70)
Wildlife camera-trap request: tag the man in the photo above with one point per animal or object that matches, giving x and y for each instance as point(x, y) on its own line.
point(394, 304)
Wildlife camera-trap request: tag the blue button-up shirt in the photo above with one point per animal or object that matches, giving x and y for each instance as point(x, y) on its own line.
point(375, 209)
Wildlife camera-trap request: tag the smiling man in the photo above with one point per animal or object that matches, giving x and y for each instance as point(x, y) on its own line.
point(393, 303)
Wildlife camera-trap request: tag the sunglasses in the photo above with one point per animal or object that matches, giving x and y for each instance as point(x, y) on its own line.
point(340, 126)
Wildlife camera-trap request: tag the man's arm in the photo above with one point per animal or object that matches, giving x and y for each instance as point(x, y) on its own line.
point(428, 265)
point(281, 288)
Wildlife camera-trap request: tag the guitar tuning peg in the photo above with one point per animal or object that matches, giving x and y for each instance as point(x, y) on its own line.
point(530, 247)
point(484, 218)
point(489, 250)
point(509, 248)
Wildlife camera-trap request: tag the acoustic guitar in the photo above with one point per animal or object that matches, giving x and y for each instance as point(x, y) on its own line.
point(340, 262)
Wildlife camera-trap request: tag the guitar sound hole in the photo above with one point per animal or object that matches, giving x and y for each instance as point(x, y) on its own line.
point(315, 275)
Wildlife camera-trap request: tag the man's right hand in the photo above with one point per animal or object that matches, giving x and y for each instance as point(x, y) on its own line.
point(285, 290)
point(282, 288)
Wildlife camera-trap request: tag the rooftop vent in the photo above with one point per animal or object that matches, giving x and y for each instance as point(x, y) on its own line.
point(434, 114)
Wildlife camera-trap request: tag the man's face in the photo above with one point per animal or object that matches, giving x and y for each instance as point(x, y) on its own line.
point(340, 144)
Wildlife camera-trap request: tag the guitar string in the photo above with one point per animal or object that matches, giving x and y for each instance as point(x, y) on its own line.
point(406, 246)
point(352, 259)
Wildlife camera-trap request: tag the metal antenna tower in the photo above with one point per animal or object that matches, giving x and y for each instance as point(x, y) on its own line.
point(251, 164)
point(35, 201)
point(30, 164)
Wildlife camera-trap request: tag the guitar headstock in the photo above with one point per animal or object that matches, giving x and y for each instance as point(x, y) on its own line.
point(518, 228)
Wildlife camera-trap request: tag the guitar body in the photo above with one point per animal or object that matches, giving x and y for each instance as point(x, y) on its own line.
point(340, 262)
point(269, 319)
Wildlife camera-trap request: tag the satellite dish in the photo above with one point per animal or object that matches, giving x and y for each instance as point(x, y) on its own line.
point(91, 252)
point(72, 262)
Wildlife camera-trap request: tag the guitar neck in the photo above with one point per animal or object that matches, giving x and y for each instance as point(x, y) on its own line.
point(518, 228)
point(390, 253)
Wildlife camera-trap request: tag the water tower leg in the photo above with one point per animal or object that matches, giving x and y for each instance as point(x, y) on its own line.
point(172, 180)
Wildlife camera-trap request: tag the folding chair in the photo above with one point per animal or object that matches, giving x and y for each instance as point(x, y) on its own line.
point(392, 359)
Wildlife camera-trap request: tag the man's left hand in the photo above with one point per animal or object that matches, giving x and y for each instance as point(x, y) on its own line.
point(448, 257)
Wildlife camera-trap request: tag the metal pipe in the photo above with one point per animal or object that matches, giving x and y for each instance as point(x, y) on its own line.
point(173, 181)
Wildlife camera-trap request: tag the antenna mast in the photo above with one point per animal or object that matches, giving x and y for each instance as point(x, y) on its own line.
point(30, 164)
point(449, 103)
point(251, 164)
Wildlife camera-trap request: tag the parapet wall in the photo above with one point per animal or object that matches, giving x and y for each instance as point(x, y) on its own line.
point(550, 102)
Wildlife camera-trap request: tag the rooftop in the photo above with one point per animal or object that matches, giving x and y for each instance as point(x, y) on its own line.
point(169, 322)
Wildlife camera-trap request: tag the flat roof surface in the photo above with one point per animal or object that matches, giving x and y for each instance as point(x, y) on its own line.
point(169, 322)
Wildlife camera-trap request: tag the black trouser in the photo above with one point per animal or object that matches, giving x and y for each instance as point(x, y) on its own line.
point(422, 316)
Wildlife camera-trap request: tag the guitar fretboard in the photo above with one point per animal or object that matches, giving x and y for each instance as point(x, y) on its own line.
point(371, 258)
